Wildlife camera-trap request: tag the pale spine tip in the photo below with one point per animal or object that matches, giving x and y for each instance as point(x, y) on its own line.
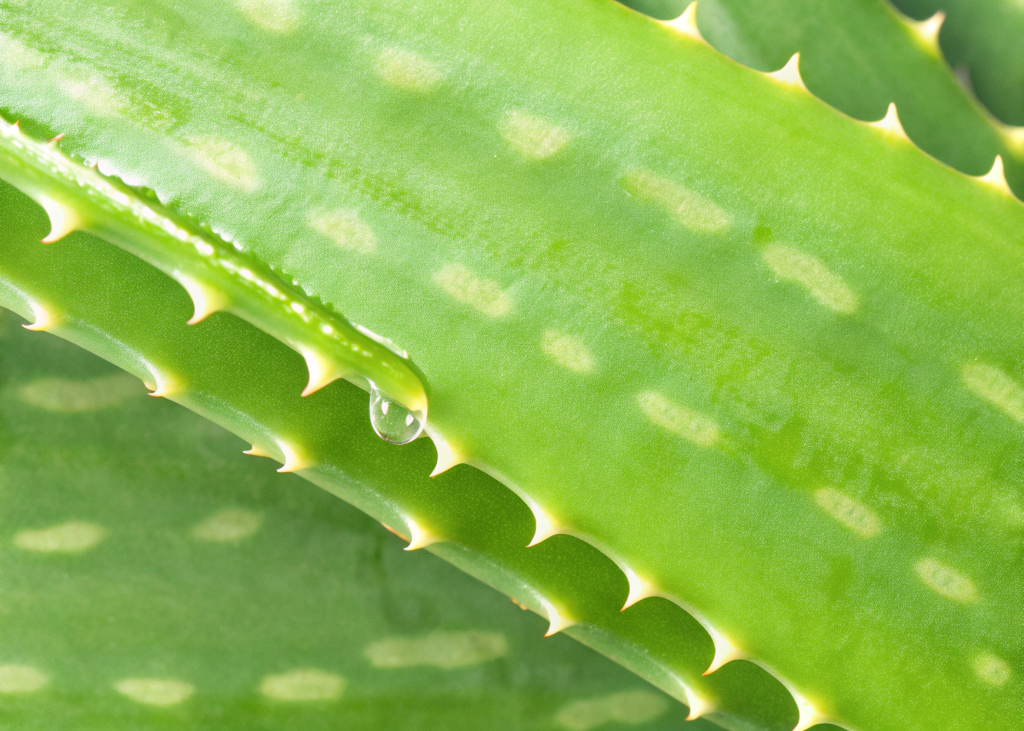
point(63, 220)
point(638, 588)
point(790, 73)
point(996, 177)
point(322, 371)
point(419, 537)
point(165, 386)
point(545, 526)
point(725, 651)
point(293, 458)
point(809, 715)
point(205, 299)
point(447, 457)
point(43, 319)
point(556, 620)
point(686, 23)
point(256, 452)
point(890, 123)
point(928, 30)
point(698, 705)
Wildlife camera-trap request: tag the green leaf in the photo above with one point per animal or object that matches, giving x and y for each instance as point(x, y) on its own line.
point(156, 578)
point(760, 354)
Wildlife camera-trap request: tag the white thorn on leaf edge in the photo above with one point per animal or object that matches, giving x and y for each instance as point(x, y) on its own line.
point(556, 620)
point(321, 371)
point(725, 650)
point(890, 123)
point(545, 525)
point(293, 458)
point(419, 537)
point(165, 385)
point(206, 299)
point(809, 715)
point(43, 319)
point(790, 73)
point(638, 588)
point(698, 705)
point(686, 23)
point(447, 456)
point(928, 30)
point(63, 219)
point(996, 177)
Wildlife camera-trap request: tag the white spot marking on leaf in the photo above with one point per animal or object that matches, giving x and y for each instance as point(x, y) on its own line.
point(445, 650)
point(303, 685)
point(533, 136)
point(408, 71)
point(826, 287)
point(72, 537)
point(688, 208)
point(15, 55)
point(228, 526)
point(225, 161)
point(667, 414)
point(947, 581)
point(856, 516)
point(96, 93)
point(276, 16)
point(155, 691)
point(995, 386)
point(75, 396)
point(21, 679)
point(992, 669)
point(568, 351)
point(345, 229)
point(469, 289)
point(632, 707)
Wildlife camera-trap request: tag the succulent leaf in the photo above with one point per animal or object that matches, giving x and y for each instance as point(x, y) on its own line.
point(154, 578)
point(750, 341)
point(864, 58)
point(139, 324)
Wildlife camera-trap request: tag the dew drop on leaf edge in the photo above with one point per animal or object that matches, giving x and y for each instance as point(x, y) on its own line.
point(391, 421)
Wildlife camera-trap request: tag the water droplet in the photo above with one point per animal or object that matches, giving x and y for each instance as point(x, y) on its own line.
point(393, 422)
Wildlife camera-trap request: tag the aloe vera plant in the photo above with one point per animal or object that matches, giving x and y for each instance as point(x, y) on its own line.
point(139, 594)
point(752, 350)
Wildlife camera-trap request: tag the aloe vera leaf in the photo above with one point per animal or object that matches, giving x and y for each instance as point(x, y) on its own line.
point(664, 411)
point(986, 38)
point(563, 580)
point(860, 57)
point(140, 545)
